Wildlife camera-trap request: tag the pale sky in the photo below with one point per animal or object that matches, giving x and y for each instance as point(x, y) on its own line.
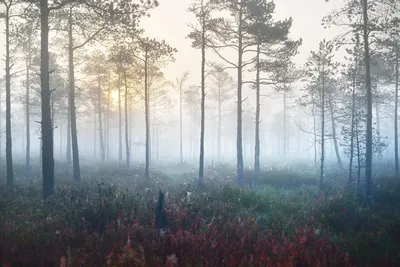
point(170, 22)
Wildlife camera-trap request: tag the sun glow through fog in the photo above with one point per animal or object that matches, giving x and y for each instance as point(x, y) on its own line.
point(114, 97)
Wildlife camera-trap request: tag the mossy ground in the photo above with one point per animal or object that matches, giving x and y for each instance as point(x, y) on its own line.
point(279, 218)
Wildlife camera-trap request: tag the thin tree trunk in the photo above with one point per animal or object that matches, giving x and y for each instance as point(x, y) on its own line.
point(27, 111)
point(68, 148)
point(202, 105)
point(147, 115)
point(321, 185)
point(130, 129)
point(108, 117)
point(40, 152)
point(61, 140)
point(101, 139)
point(257, 123)
point(22, 138)
point(180, 124)
point(104, 126)
point(10, 172)
point(396, 101)
point(239, 145)
point(378, 127)
point(334, 137)
point(47, 130)
point(94, 134)
point(353, 110)
point(119, 120)
point(315, 134)
point(191, 136)
point(126, 122)
point(358, 160)
point(368, 155)
point(219, 122)
point(152, 118)
point(1, 126)
point(71, 98)
point(284, 126)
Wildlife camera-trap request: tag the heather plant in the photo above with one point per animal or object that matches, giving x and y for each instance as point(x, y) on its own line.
point(108, 220)
point(361, 229)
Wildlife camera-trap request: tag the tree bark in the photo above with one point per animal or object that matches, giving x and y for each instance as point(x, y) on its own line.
point(71, 99)
point(180, 124)
point(284, 126)
point(321, 179)
point(126, 122)
point(9, 161)
point(108, 117)
point(61, 140)
point(368, 156)
point(1, 125)
point(119, 120)
point(147, 115)
point(334, 137)
point(94, 134)
point(27, 109)
point(378, 127)
point(130, 129)
point(358, 160)
point(101, 139)
point(68, 148)
point(152, 117)
point(315, 135)
point(203, 97)
point(396, 102)
point(191, 136)
point(239, 145)
point(47, 130)
point(353, 110)
point(219, 123)
point(376, 106)
point(257, 123)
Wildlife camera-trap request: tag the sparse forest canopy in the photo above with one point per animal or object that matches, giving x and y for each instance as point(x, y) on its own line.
point(251, 132)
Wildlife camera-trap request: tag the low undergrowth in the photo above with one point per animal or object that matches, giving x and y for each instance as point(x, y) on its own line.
point(370, 234)
point(108, 220)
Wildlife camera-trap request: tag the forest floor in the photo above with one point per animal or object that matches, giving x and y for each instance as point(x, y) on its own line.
point(281, 220)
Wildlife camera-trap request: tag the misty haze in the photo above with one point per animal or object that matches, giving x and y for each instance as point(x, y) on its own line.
point(199, 133)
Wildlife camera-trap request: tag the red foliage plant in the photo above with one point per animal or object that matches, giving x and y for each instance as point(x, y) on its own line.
point(231, 244)
point(127, 242)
